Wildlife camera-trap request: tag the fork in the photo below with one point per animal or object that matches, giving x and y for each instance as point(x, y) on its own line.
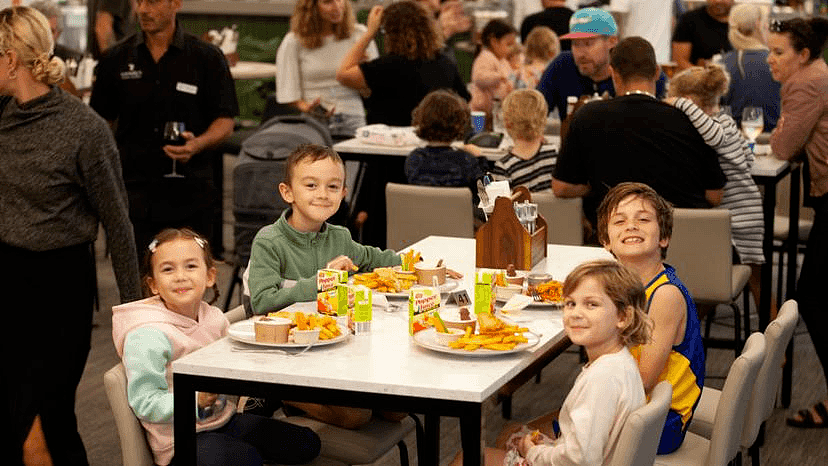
point(538, 298)
point(237, 349)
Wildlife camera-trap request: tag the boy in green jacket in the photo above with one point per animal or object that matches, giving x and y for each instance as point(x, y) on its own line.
point(286, 255)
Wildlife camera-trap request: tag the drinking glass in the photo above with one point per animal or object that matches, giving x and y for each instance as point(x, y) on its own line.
point(752, 123)
point(173, 136)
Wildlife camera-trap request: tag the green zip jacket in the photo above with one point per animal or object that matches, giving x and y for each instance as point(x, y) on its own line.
point(280, 253)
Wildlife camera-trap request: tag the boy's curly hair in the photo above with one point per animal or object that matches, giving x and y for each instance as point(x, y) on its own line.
point(410, 31)
point(442, 116)
point(524, 114)
point(664, 211)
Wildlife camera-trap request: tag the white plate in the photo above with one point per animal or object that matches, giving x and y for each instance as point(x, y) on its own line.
point(536, 305)
point(244, 332)
point(449, 285)
point(427, 339)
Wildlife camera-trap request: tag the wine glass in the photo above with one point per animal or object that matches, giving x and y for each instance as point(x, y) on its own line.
point(173, 136)
point(752, 123)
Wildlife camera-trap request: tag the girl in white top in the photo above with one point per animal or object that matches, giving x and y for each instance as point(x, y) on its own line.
point(321, 32)
point(604, 312)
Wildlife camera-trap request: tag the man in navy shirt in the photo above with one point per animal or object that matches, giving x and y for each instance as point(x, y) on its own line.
point(584, 70)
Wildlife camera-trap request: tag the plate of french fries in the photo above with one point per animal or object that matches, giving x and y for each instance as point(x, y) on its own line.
point(395, 282)
point(494, 337)
point(329, 331)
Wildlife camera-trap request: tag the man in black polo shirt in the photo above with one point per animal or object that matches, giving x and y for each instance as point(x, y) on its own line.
point(555, 16)
point(701, 33)
point(635, 137)
point(159, 75)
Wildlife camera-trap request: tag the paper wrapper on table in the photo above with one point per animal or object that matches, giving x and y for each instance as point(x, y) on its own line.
point(502, 240)
point(484, 281)
point(327, 298)
point(385, 135)
point(361, 314)
point(422, 302)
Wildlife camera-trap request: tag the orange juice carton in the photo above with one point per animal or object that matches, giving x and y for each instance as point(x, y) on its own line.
point(484, 282)
point(327, 298)
point(360, 314)
point(422, 302)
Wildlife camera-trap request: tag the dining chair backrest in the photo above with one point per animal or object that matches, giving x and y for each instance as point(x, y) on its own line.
point(777, 336)
point(700, 251)
point(725, 440)
point(563, 218)
point(134, 448)
point(638, 441)
point(414, 212)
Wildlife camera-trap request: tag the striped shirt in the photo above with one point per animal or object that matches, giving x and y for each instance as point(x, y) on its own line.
point(741, 196)
point(535, 173)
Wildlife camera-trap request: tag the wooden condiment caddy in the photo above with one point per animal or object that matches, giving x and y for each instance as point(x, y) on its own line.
point(503, 240)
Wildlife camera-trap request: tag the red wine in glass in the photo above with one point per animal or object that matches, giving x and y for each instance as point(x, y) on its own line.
point(173, 136)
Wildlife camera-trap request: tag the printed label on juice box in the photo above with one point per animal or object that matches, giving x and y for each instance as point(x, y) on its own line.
point(361, 313)
point(422, 302)
point(483, 291)
point(327, 279)
point(344, 298)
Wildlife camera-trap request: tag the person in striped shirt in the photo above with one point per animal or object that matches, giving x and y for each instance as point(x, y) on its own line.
point(527, 163)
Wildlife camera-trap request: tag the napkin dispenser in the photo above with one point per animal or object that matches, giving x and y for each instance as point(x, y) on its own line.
point(503, 240)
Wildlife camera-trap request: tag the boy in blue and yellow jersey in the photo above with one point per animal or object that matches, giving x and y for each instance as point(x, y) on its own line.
point(635, 224)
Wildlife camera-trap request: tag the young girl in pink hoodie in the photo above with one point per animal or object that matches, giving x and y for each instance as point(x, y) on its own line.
point(151, 333)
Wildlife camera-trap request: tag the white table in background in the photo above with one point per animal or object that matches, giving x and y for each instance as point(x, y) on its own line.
point(253, 70)
point(383, 370)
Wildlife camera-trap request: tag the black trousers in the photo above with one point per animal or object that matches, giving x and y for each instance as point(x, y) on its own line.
point(46, 342)
point(810, 291)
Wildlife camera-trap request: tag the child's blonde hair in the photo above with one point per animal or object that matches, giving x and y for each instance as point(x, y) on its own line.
point(542, 44)
point(172, 234)
point(704, 85)
point(625, 290)
point(524, 114)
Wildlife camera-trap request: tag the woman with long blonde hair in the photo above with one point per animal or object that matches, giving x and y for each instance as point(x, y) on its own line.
point(321, 32)
point(60, 177)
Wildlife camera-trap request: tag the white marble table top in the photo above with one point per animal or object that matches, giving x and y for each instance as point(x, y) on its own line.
point(387, 361)
point(355, 146)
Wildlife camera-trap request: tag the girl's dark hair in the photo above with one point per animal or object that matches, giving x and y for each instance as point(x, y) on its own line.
point(811, 34)
point(410, 31)
point(442, 116)
point(171, 234)
point(494, 29)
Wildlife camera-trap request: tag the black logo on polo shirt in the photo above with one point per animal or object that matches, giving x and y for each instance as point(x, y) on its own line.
point(131, 73)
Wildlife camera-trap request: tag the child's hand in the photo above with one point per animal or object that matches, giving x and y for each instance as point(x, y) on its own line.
point(472, 149)
point(206, 400)
point(525, 444)
point(342, 263)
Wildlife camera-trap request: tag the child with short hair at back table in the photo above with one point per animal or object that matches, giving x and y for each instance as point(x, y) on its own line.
point(604, 312)
point(635, 224)
point(526, 164)
point(286, 255)
point(149, 334)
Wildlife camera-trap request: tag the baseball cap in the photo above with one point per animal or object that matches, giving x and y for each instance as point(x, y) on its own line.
point(590, 22)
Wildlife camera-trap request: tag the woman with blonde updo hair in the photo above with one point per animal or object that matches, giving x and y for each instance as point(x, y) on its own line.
point(321, 32)
point(696, 91)
point(411, 68)
point(751, 83)
point(60, 177)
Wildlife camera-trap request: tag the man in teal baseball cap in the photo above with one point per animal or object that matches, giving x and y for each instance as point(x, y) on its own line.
point(585, 70)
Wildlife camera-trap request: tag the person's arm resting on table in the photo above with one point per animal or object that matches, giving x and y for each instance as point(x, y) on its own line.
point(349, 73)
point(668, 310)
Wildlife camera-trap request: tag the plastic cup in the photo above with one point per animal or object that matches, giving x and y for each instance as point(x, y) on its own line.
point(478, 120)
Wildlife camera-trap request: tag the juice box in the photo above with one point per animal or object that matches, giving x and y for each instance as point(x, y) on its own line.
point(484, 281)
point(361, 313)
point(327, 298)
point(422, 302)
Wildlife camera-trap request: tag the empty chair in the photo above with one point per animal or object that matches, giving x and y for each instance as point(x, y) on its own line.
point(415, 212)
point(763, 397)
point(725, 439)
point(638, 441)
point(563, 218)
point(701, 252)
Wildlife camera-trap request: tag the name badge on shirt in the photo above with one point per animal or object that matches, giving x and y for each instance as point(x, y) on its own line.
point(188, 88)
